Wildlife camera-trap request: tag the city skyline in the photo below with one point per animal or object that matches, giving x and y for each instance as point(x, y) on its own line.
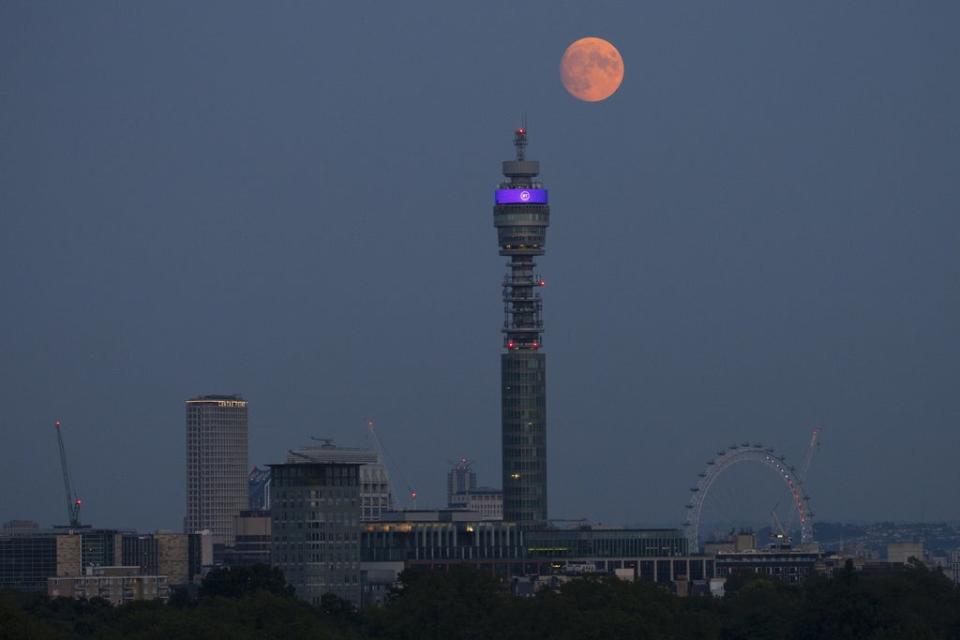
point(754, 237)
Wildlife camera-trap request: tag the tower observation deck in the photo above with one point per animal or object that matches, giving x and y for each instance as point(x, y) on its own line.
point(521, 214)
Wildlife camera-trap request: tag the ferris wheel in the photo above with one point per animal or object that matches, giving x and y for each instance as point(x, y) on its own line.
point(760, 454)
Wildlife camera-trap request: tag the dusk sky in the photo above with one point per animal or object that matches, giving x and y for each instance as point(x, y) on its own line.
point(756, 235)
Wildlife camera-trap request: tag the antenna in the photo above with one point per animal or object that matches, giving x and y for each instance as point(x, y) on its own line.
point(520, 138)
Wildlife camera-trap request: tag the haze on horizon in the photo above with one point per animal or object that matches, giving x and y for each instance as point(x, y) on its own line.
point(756, 235)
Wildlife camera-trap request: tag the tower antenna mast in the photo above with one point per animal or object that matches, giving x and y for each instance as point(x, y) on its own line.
point(521, 214)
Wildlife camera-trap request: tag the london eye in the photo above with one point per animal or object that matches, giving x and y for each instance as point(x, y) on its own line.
point(758, 454)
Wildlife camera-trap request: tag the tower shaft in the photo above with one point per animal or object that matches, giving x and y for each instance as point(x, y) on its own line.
point(521, 215)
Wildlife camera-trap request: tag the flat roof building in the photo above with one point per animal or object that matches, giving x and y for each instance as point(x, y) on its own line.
point(315, 528)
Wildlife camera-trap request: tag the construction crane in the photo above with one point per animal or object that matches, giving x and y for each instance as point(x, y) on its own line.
point(808, 458)
point(804, 469)
point(781, 535)
point(389, 462)
point(73, 502)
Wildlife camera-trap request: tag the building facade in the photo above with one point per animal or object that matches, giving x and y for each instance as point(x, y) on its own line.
point(521, 214)
point(784, 565)
point(217, 481)
point(903, 552)
point(375, 494)
point(486, 501)
point(175, 556)
point(116, 585)
point(441, 539)
point(28, 560)
point(315, 528)
point(251, 541)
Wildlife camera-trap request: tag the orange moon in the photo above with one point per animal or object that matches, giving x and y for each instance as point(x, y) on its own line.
point(591, 69)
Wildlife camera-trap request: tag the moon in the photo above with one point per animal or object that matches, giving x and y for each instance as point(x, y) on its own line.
point(591, 69)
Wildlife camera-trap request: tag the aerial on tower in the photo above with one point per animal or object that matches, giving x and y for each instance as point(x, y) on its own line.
point(521, 214)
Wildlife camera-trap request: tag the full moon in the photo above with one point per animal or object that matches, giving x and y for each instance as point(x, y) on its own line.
point(591, 69)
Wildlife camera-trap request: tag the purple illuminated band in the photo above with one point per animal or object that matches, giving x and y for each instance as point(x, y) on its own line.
point(521, 196)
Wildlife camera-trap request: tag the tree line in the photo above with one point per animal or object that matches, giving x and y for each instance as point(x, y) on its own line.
point(256, 602)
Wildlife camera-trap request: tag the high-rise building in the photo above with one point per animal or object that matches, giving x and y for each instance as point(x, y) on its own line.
point(463, 492)
point(460, 479)
point(521, 214)
point(216, 464)
point(315, 528)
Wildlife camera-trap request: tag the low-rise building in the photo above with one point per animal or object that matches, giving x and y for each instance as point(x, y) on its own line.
point(176, 556)
point(784, 565)
point(902, 552)
point(116, 585)
point(27, 560)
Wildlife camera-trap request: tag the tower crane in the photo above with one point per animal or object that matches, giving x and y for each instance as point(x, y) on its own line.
point(808, 458)
point(388, 462)
point(805, 468)
point(782, 536)
point(73, 502)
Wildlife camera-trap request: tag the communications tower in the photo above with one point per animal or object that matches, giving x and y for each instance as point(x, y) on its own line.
point(521, 214)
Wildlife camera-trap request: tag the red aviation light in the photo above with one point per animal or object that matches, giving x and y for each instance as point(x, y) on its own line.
point(510, 345)
point(57, 424)
point(78, 502)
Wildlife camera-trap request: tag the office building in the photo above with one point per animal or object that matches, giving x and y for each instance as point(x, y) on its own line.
point(315, 527)
point(521, 214)
point(440, 539)
point(485, 501)
point(26, 561)
point(216, 464)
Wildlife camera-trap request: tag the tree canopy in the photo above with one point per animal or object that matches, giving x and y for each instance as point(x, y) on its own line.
point(464, 604)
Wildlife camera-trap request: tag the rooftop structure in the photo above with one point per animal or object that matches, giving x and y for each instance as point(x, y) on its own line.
point(375, 494)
